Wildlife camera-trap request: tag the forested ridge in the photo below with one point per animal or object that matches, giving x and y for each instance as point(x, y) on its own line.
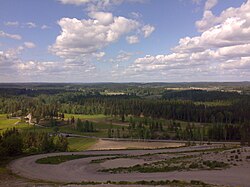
point(226, 112)
point(93, 103)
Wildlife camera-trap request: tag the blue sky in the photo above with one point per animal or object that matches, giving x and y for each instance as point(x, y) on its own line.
point(124, 40)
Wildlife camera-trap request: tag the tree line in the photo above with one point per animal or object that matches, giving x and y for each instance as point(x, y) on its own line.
point(14, 142)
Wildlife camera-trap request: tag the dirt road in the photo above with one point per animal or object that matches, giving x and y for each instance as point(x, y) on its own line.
point(82, 170)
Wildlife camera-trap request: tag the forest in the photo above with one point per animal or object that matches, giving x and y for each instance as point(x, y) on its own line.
point(154, 111)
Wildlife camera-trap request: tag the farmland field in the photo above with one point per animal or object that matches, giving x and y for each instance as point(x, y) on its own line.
point(6, 123)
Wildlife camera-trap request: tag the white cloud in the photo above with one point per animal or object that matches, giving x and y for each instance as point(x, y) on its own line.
point(86, 37)
point(209, 19)
point(123, 56)
point(75, 2)
point(29, 45)
point(132, 39)
point(12, 36)
point(135, 15)
point(13, 68)
point(99, 55)
point(222, 50)
point(9, 58)
point(31, 67)
point(12, 23)
point(104, 18)
point(6, 58)
point(52, 70)
point(97, 5)
point(210, 4)
point(45, 27)
point(147, 30)
point(31, 25)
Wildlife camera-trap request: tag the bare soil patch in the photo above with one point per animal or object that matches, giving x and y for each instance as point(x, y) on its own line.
point(109, 145)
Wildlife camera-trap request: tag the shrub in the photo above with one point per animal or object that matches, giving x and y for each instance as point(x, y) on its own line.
point(11, 143)
point(193, 165)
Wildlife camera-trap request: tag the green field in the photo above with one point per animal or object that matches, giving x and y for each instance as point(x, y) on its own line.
point(100, 122)
point(82, 116)
point(80, 144)
point(69, 129)
point(6, 123)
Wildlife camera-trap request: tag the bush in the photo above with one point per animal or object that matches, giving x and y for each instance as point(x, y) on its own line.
point(214, 164)
point(11, 143)
point(61, 143)
point(194, 165)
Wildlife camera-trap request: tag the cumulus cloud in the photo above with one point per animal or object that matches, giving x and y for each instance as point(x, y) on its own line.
point(135, 15)
point(222, 49)
point(88, 36)
point(12, 23)
point(75, 2)
point(29, 45)
point(210, 4)
point(99, 55)
point(123, 56)
point(104, 18)
point(7, 58)
point(147, 30)
point(12, 36)
point(97, 5)
point(35, 67)
point(209, 19)
point(132, 39)
point(53, 71)
point(31, 25)
point(45, 27)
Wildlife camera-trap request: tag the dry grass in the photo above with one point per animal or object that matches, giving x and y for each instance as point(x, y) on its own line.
point(109, 145)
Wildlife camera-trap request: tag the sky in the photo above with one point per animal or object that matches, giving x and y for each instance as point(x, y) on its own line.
point(124, 40)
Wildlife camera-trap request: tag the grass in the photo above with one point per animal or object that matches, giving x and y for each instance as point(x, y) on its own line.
point(82, 116)
point(4, 161)
point(69, 129)
point(80, 144)
point(172, 164)
point(193, 183)
point(64, 158)
point(215, 103)
point(101, 129)
point(163, 153)
point(215, 164)
point(6, 123)
point(188, 162)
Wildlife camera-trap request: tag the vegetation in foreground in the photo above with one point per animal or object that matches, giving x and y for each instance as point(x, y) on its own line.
point(192, 183)
point(14, 143)
point(182, 163)
point(64, 158)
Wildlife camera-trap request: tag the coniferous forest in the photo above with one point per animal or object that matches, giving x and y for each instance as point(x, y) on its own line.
point(151, 111)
